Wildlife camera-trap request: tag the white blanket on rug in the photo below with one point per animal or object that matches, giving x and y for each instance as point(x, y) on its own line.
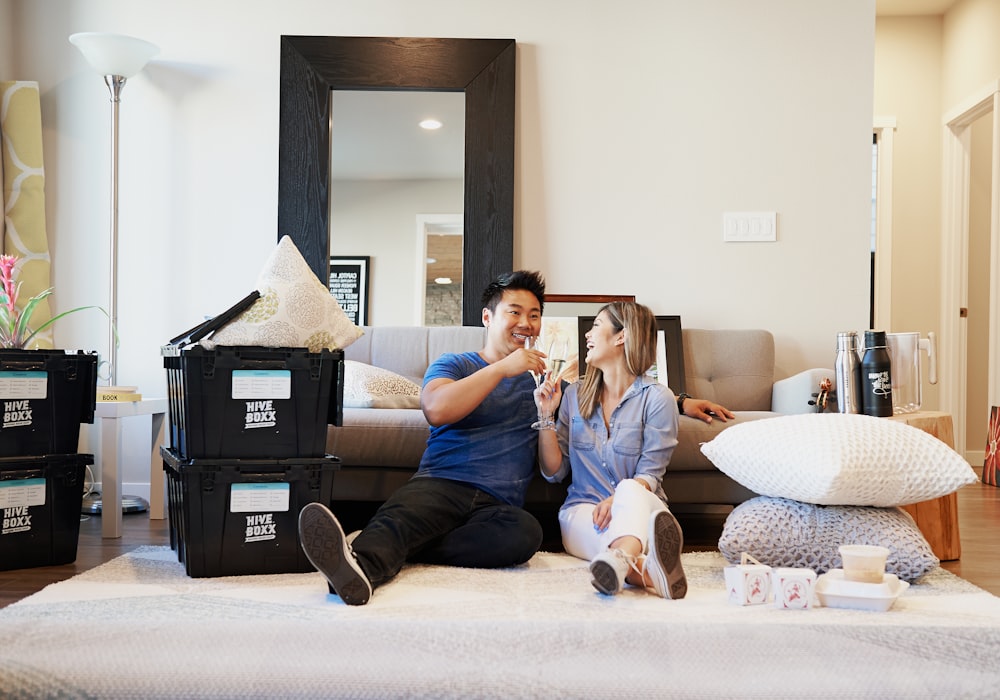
point(139, 627)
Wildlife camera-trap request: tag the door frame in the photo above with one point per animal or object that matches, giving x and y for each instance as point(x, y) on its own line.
point(956, 162)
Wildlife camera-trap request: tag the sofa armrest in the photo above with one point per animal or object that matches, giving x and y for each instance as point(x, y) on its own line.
point(792, 395)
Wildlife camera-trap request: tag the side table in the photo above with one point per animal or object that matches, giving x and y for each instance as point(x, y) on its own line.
point(110, 414)
point(937, 518)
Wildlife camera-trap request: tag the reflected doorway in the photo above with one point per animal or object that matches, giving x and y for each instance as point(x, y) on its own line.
point(439, 293)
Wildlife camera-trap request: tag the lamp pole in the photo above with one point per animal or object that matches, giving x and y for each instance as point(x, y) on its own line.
point(116, 83)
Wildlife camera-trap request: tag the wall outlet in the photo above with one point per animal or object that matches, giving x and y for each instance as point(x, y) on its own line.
point(750, 226)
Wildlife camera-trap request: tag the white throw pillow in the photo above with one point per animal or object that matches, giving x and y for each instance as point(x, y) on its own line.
point(294, 310)
point(782, 532)
point(366, 386)
point(839, 459)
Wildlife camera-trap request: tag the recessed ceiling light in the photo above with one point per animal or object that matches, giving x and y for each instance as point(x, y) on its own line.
point(443, 280)
point(430, 124)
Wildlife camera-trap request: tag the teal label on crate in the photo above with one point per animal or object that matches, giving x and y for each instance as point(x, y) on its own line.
point(259, 498)
point(15, 493)
point(262, 384)
point(23, 385)
point(16, 498)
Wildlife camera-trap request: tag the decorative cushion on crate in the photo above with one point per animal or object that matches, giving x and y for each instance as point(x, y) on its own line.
point(366, 386)
point(839, 459)
point(782, 532)
point(294, 310)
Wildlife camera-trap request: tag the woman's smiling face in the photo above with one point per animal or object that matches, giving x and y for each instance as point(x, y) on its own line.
point(603, 340)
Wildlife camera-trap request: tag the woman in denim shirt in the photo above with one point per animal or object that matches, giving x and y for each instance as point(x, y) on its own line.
point(615, 433)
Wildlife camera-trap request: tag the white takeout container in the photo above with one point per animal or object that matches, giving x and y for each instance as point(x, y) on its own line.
point(834, 591)
point(793, 588)
point(863, 562)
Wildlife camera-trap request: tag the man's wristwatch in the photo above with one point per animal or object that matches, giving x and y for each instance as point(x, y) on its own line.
point(680, 402)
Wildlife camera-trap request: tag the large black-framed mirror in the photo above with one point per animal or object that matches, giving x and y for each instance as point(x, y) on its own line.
point(313, 66)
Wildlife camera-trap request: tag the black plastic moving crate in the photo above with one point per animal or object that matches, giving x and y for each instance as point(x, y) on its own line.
point(252, 402)
point(232, 517)
point(40, 499)
point(45, 396)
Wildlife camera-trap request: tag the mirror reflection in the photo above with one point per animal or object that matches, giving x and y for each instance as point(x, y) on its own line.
point(389, 178)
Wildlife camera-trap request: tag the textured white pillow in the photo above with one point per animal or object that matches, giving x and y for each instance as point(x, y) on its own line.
point(294, 310)
point(782, 532)
point(366, 386)
point(839, 459)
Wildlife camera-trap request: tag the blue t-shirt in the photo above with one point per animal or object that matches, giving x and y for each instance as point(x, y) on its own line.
point(494, 447)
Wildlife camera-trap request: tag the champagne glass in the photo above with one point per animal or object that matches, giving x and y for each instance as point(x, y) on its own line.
point(554, 363)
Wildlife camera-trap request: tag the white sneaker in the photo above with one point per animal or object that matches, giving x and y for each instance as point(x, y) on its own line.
point(327, 549)
point(663, 560)
point(609, 569)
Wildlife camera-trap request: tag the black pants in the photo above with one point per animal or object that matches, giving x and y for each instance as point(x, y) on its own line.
point(436, 521)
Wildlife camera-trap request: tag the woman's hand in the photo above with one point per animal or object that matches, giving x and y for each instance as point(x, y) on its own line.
point(548, 396)
point(602, 514)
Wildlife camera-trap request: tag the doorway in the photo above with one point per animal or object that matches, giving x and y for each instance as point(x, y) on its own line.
point(971, 231)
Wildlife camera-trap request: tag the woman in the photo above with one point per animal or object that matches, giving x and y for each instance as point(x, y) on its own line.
point(615, 432)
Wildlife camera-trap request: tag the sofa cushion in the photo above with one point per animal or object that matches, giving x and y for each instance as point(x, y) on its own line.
point(839, 459)
point(366, 386)
point(379, 437)
point(732, 367)
point(294, 310)
point(783, 532)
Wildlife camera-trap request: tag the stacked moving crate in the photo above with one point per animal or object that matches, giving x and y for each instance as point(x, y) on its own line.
point(45, 395)
point(248, 450)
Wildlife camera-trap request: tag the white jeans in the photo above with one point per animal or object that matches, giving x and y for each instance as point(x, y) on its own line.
point(630, 513)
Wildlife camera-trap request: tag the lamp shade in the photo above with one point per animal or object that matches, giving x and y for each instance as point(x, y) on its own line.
point(114, 54)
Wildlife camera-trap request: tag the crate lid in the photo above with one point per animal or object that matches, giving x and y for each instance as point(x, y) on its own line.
point(213, 324)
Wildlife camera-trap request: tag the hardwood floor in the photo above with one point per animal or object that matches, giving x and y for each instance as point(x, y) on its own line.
point(978, 509)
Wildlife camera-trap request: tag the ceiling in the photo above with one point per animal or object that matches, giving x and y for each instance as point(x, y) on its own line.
point(912, 7)
point(376, 135)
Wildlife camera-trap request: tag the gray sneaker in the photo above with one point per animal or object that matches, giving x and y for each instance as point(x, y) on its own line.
point(325, 545)
point(663, 560)
point(609, 569)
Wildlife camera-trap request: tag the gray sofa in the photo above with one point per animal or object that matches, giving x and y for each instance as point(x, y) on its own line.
point(380, 448)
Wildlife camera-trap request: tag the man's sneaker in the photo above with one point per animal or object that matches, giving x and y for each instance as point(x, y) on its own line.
point(324, 543)
point(663, 560)
point(609, 569)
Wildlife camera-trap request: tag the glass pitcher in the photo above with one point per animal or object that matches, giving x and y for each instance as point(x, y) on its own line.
point(904, 353)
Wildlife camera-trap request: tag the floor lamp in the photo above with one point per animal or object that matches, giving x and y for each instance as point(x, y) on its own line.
point(117, 58)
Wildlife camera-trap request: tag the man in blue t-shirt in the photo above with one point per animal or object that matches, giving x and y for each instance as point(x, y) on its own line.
point(463, 507)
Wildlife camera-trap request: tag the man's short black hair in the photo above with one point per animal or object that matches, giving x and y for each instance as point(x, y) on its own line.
point(527, 280)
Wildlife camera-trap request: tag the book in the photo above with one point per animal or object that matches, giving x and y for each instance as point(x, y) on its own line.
point(118, 393)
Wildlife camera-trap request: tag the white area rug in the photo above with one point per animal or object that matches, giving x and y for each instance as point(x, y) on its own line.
point(139, 627)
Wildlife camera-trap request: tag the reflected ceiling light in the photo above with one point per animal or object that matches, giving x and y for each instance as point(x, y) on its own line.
point(431, 261)
point(442, 280)
point(431, 124)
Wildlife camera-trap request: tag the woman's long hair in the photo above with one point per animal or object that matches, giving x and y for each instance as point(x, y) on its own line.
point(639, 325)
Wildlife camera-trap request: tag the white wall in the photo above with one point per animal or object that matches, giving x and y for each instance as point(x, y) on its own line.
point(638, 125)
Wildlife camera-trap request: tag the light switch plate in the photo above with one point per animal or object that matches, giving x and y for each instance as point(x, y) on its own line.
point(750, 226)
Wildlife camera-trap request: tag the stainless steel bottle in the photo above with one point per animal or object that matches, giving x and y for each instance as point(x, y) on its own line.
point(876, 376)
point(848, 369)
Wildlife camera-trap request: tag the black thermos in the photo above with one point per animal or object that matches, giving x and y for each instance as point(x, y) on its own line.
point(876, 379)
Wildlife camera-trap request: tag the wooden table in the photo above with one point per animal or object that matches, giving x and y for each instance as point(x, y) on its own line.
point(938, 518)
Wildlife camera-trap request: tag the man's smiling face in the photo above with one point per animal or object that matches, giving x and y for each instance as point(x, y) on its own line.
point(518, 315)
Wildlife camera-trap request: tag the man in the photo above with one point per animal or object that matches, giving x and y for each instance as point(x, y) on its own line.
point(463, 507)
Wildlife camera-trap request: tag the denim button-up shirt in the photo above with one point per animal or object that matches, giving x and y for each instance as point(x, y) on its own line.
point(638, 442)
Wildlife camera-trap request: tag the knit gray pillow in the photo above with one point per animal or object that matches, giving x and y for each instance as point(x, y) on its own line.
point(783, 532)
